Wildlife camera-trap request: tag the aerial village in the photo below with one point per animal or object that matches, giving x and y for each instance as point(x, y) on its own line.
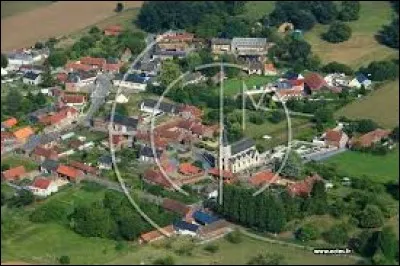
point(68, 143)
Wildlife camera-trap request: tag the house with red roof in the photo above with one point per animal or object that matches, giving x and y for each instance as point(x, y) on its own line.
point(314, 82)
point(43, 187)
point(40, 154)
point(74, 100)
point(189, 170)
point(10, 122)
point(94, 62)
point(303, 187)
point(69, 173)
point(262, 178)
point(335, 137)
point(23, 134)
point(113, 30)
point(155, 235)
point(227, 176)
point(15, 173)
point(156, 177)
point(175, 206)
point(66, 115)
point(370, 138)
point(86, 169)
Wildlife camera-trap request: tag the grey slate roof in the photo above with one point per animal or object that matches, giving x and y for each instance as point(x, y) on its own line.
point(31, 75)
point(148, 152)
point(219, 41)
point(252, 42)
point(37, 140)
point(124, 120)
point(165, 107)
point(50, 165)
point(242, 145)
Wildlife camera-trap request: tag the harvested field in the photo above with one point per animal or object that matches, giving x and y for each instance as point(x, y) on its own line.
point(15, 263)
point(55, 20)
point(382, 106)
point(11, 8)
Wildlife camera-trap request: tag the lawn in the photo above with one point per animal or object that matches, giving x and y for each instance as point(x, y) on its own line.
point(378, 168)
point(362, 47)
point(382, 106)
point(234, 85)
point(228, 254)
point(255, 10)
point(278, 132)
point(17, 160)
point(10, 8)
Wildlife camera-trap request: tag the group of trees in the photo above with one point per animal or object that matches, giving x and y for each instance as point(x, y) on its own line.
point(17, 105)
point(207, 19)
point(337, 32)
point(336, 67)
point(381, 70)
point(389, 34)
point(115, 218)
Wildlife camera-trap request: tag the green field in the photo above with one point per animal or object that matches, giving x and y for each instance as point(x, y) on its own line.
point(17, 160)
point(278, 132)
point(255, 10)
point(229, 254)
point(381, 105)
point(378, 168)
point(362, 47)
point(10, 8)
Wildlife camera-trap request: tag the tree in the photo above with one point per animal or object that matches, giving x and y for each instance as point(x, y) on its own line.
point(370, 217)
point(349, 11)
point(234, 237)
point(337, 32)
point(293, 166)
point(324, 11)
point(336, 235)
point(394, 135)
point(168, 260)
point(235, 27)
point(39, 45)
point(170, 71)
point(4, 61)
point(388, 243)
point(47, 78)
point(23, 198)
point(121, 109)
point(57, 58)
point(119, 7)
point(381, 70)
point(307, 232)
point(267, 259)
point(389, 34)
point(276, 116)
point(336, 67)
point(94, 30)
point(198, 164)
point(64, 260)
point(51, 42)
point(303, 20)
point(14, 101)
point(212, 248)
point(323, 115)
point(209, 26)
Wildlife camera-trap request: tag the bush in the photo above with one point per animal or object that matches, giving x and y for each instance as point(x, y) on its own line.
point(50, 212)
point(276, 117)
point(212, 248)
point(120, 246)
point(64, 260)
point(336, 235)
point(307, 232)
point(234, 237)
point(381, 70)
point(337, 32)
point(371, 217)
point(23, 198)
point(335, 67)
point(168, 260)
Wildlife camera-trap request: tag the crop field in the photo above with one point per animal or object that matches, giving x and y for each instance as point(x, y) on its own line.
point(362, 47)
point(11, 8)
point(55, 20)
point(381, 105)
point(378, 168)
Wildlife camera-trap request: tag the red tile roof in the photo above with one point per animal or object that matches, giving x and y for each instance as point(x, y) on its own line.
point(62, 77)
point(263, 177)
point(304, 187)
point(47, 153)
point(296, 82)
point(94, 61)
point(111, 67)
point(196, 112)
point(155, 234)
point(113, 28)
point(12, 121)
point(24, 133)
point(225, 173)
point(84, 167)
point(189, 169)
point(155, 176)
point(175, 206)
point(366, 140)
point(76, 66)
point(333, 135)
point(41, 183)
point(69, 171)
point(314, 81)
point(14, 173)
point(74, 98)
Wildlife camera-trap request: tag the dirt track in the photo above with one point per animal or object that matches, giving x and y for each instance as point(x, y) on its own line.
point(55, 20)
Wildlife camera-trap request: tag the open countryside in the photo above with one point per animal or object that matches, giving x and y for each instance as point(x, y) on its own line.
point(57, 17)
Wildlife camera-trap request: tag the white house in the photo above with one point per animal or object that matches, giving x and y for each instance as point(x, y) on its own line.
point(25, 57)
point(43, 187)
point(360, 80)
point(121, 98)
point(149, 106)
point(133, 82)
point(31, 78)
